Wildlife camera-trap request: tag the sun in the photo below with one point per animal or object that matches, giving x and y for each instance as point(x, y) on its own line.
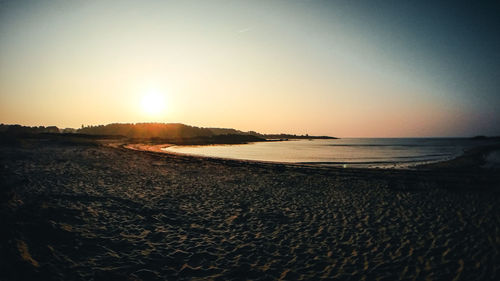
point(153, 103)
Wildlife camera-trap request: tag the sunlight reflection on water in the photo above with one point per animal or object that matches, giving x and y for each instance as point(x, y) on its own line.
point(340, 152)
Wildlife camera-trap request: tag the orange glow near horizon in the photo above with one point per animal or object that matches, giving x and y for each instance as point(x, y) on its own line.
point(153, 103)
point(271, 67)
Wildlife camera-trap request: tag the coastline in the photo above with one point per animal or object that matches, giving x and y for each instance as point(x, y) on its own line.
point(472, 158)
point(106, 212)
point(465, 172)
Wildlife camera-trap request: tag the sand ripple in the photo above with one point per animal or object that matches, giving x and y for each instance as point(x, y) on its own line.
point(94, 213)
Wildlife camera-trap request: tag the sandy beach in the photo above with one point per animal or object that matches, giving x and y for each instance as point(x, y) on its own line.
point(96, 212)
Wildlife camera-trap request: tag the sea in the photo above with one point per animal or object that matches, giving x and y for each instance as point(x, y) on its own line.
point(344, 152)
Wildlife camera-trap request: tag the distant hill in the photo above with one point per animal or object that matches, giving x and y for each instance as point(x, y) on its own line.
point(148, 130)
point(175, 132)
point(220, 131)
point(486, 138)
point(19, 130)
point(289, 136)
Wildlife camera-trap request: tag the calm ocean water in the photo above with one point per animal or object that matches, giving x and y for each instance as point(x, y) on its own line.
point(351, 152)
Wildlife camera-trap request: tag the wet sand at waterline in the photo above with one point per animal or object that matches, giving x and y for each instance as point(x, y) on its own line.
point(94, 212)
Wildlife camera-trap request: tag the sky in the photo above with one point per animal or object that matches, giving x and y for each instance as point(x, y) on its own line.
point(339, 68)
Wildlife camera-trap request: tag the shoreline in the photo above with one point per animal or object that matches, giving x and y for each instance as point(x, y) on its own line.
point(473, 158)
point(80, 211)
point(456, 174)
